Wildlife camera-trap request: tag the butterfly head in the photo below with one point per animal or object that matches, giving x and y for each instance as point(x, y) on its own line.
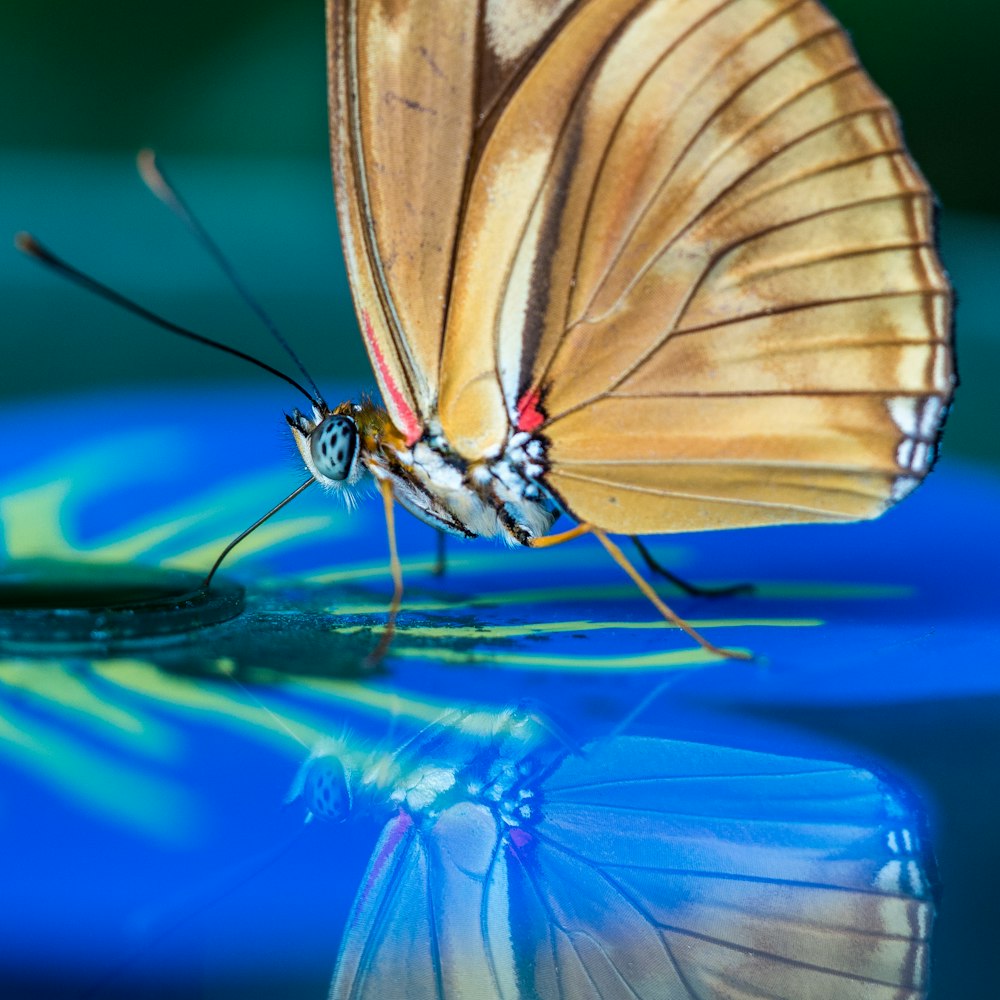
point(330, 444)
point(337, 445)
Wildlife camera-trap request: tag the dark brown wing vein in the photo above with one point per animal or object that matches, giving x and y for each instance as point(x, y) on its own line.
point(528, 356)
point(693, 221)
point(539, 296)
point(356, 152)
point(782, 393)
point(626, 107)
point(733, 501)
point(486, 118)
point(830, 258)
point(802, 306)
point(716, 112)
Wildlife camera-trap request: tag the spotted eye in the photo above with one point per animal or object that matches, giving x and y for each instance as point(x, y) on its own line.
point(334, 446)
point(325, 789)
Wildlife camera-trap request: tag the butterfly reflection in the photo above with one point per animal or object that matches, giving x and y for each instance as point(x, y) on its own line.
point(515, 864)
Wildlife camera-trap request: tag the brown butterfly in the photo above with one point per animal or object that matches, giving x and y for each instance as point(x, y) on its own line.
point(664, 265)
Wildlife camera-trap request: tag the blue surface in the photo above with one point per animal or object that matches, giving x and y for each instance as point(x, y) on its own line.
point(142, 831)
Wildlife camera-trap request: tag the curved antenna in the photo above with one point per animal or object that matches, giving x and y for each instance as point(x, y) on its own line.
point(27, 244)
point(253, 527)
point(156, 180)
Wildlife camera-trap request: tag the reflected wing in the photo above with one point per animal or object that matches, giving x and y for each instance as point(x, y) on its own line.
point(414, 85)
point(652, 870)
point(674, 870)
point(696, 256)
point(393, 904)
point(419, 927)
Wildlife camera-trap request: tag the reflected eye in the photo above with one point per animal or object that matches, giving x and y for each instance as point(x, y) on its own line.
point(334, 446)
point(325, 790)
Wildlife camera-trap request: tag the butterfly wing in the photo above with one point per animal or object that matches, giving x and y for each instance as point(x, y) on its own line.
point(651, 869)
point(420, 922)
point(413, 84)
point(674, 870)
point(695, 256)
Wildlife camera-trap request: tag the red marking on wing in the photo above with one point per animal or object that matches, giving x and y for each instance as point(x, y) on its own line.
point(529, 417)
point(519, 838)
point(412, 427)
point(403, 822)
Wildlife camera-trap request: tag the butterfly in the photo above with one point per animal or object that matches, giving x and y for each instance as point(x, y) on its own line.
point(661, 265)
point(658, 265)
point(512, 864)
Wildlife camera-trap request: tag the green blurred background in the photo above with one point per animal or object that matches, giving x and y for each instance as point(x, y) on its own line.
point(233, 96)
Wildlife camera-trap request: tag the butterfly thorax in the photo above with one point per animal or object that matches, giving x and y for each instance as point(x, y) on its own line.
point(491, 759)
point(498, 496)
point(487, 758)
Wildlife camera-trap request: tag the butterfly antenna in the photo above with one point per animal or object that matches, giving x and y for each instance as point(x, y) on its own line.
point(394, 713)
point(275, 718)
point(27, 244)
point(156, 180)
point(249, 531)
point(624, 724)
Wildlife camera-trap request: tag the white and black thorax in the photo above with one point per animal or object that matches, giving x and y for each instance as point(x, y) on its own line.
point(498, 497)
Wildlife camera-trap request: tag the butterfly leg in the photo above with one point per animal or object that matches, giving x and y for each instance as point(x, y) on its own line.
point(441, 555)
point(619, 557)
point(547, 541)
point(375, 657)
point(691, 589)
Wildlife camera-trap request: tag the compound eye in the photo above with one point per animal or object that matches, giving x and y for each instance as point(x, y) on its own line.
point(325, 790)
point(334, 446)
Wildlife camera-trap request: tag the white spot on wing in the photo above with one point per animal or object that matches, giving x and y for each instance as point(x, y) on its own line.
point(923, 916)
point(930, 418)
point(903, 410)
point(919, 420)
point(890, 877)
point(514, 26)
point(942, 377)
point(915, 879)
point(921, 457)
point(903, 486)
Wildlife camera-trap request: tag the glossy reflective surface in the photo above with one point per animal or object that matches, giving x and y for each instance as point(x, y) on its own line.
point(144, 841)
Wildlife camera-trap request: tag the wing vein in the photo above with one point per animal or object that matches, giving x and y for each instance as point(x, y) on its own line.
point(783, 393)
point(817, 304)
point(840, 255)
point(715, 112)
point(736, 501)
point(356, 152)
